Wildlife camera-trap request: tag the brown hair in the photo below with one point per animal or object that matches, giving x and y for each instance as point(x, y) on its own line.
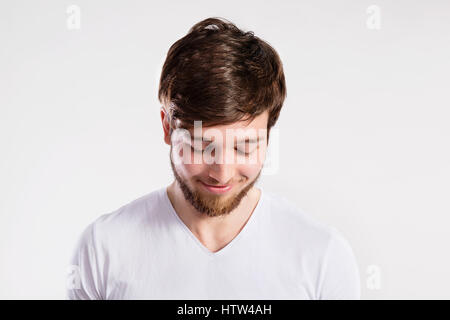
point(219, 74)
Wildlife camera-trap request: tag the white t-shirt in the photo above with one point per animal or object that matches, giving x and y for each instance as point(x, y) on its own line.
point(143, 250)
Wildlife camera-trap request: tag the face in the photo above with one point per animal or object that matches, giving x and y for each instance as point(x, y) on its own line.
point(235, 154)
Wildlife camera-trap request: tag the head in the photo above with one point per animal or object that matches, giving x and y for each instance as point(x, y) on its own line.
point(231, 81)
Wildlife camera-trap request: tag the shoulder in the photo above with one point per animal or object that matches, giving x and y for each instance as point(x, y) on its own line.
point(302, 232)
point(290, 220)
point(326, 250)
point(127, 220)
point(339, 274)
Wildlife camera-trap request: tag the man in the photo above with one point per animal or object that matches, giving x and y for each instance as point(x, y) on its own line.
point(212, 234)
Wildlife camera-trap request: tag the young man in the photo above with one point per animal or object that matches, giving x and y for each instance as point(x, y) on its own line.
point(212, 234)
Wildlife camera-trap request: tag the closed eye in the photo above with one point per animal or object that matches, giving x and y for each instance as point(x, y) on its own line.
point(242, 152)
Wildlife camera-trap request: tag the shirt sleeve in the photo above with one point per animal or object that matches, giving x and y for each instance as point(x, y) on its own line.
point(84, 278)
point(339, 277)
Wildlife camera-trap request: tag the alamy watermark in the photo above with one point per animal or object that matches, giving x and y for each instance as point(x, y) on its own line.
point(373, 21)
point(73, 21)
point(237, 146)
point(73, 277)
point(373, 280)
point(198, 149)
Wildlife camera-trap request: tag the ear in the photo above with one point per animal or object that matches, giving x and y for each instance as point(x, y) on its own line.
point(166, 125)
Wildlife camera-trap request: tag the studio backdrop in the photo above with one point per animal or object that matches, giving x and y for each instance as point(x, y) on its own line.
point(362, 142)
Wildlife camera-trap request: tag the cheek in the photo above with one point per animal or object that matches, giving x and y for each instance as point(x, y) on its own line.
point(192, 170)
point(255, 163)
point(249, 171)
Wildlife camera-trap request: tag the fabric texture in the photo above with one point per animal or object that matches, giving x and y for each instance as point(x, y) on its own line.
point(143, 250)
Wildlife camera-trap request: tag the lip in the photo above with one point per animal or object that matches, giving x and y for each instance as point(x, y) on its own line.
point(216, 189)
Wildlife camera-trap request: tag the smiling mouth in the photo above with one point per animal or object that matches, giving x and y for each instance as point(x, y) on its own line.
point(217, 188)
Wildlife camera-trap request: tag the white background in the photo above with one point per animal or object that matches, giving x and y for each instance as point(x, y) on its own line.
point(364, 132)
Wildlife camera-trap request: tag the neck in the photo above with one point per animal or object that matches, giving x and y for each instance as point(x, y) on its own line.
point(213, 230)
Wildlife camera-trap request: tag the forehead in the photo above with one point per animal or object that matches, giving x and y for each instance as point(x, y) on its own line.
point(253, 128)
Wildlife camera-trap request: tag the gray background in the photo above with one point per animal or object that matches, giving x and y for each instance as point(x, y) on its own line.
point(364, 131)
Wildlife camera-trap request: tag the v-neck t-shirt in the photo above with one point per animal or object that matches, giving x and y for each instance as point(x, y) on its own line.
point(143, 250)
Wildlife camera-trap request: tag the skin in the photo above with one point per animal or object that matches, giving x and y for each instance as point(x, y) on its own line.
point(216, 219)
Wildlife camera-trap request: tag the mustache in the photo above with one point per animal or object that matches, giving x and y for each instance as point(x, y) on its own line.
point(215, 183)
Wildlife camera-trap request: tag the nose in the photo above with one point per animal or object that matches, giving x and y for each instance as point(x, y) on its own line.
point(221, 174)
point(222, 168)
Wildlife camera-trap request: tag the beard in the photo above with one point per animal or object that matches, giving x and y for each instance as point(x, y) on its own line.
point(210, 205)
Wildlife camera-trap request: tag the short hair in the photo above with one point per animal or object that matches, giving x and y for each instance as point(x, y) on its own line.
point(220, 74)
